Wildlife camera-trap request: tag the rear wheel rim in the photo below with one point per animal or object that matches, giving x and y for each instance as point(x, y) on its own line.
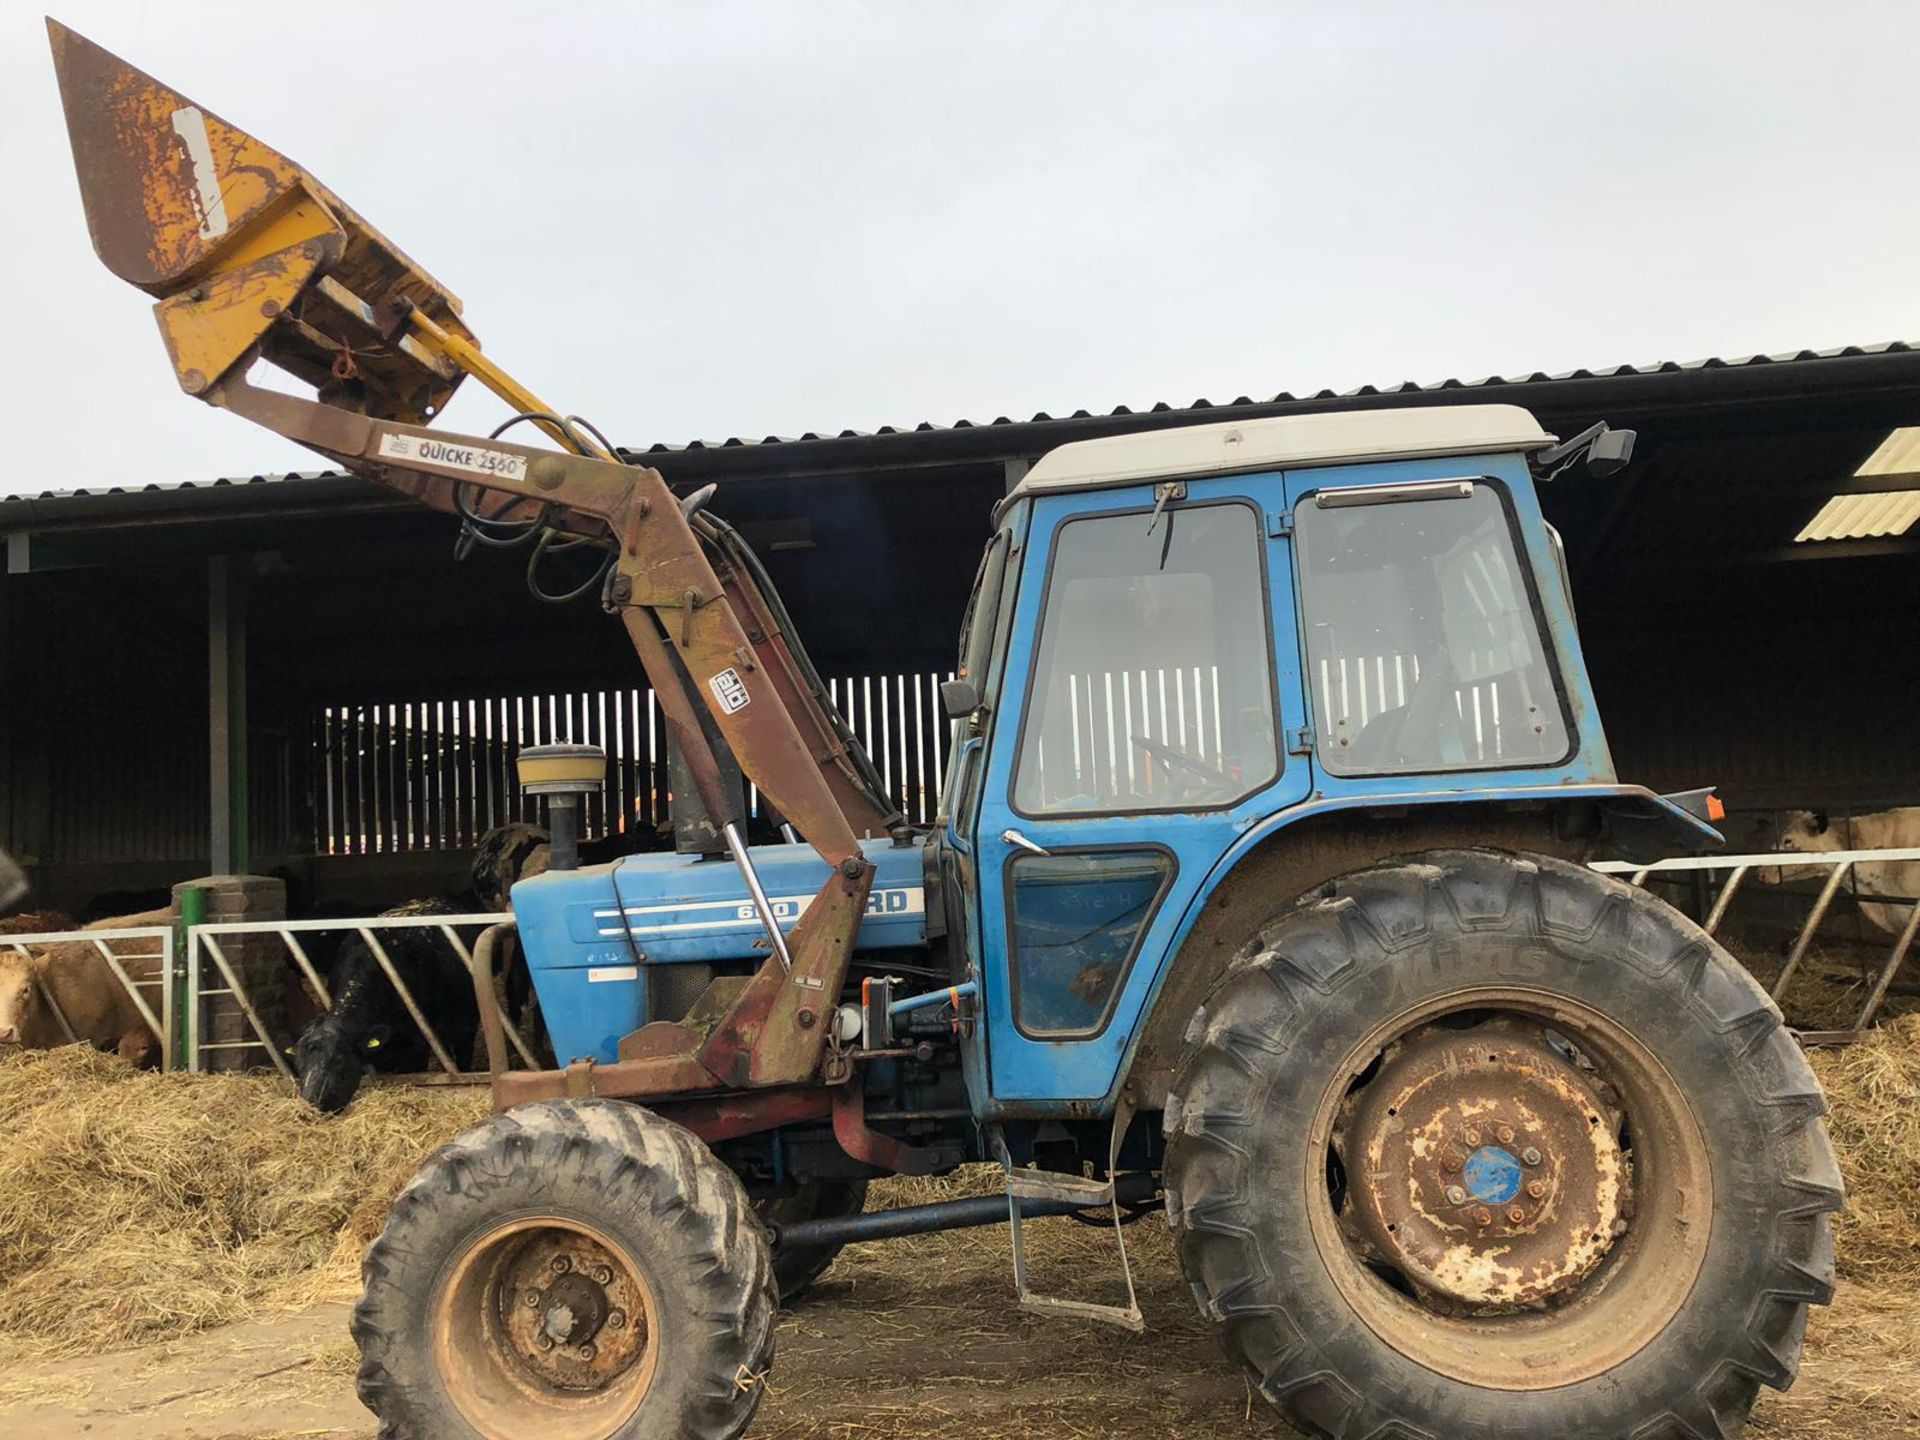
point(1508, 1188)
point(546, 1326)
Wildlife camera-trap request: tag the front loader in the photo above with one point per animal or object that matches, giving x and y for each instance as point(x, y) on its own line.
point(1257, 891)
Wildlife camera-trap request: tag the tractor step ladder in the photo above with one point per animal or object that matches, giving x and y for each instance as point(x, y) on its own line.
point(1052, 1186)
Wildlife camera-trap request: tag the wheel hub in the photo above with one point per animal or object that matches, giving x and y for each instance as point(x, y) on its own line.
point(1485, 1167)
point(570, 1313)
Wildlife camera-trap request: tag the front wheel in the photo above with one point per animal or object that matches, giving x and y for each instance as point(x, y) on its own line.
point(572, 1269)
point(1490, 1145)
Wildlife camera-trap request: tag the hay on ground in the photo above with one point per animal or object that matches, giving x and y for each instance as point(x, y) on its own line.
point(1873, 1089)
point(135, 1206)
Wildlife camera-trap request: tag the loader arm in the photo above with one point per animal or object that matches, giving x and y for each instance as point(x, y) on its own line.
point(663, 586)
point(250, 258)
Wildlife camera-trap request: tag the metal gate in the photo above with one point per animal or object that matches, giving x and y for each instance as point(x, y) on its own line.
point(1724, 875)
point(137, 945)
point(211, 972)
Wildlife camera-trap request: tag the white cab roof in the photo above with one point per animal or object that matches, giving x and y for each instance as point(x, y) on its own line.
point(1287, 441)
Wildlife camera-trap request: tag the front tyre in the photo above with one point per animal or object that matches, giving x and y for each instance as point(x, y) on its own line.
point(572, 1269)
point(1488, 1145)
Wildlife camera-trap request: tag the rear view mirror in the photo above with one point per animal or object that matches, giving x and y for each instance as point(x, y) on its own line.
point(1602, 450)
point(1610, 453)
point(959, 697)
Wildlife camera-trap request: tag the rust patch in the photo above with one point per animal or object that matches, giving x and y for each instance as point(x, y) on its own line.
point(1485, 1167)
point(570, 1312)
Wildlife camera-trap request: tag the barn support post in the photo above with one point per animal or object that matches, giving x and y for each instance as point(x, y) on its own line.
point(227, 716)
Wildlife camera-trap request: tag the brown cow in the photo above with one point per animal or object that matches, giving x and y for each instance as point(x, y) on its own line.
point(84, 987)
point(36, 922)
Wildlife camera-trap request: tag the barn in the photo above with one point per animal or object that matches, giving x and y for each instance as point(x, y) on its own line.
point(296, 675)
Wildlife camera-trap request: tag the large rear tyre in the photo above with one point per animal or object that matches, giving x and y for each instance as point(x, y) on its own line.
point(573, 1269)
point(796, 1267)
point(1490, 1145)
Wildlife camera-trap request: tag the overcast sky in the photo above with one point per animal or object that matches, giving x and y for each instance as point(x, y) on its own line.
point(694, 221)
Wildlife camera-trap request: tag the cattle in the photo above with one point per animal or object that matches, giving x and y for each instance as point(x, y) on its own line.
point(99, 909)
point(37, 922)
point(82, 987)
point(367, 1026)
point(506, 854)
point(1811, 831)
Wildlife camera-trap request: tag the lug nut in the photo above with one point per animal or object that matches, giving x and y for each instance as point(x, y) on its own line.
point(1536, 1189)
point(1516, 1215)
point(616, 1319)
point(1450, 1163)
point(1455, 1195)
point(1483, 1216)
point(587, 1351)
point(1505, 1132)
point(533, 1299)
point(542, 1340)
point(1529, 1156)
point(603, 1274)
point(561, 1265)
point(1473, 1137)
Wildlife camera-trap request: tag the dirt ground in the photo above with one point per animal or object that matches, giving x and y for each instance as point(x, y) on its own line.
point(911, 1338)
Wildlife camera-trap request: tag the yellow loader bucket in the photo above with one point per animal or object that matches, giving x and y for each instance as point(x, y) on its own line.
point(246, 252)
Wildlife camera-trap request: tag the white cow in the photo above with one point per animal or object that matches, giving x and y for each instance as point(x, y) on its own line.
point(1810, 831)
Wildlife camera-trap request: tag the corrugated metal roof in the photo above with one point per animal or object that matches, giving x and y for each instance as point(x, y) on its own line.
point(1898, 454)
point(1866, 516)
point(157, 487)
point(1408, 387)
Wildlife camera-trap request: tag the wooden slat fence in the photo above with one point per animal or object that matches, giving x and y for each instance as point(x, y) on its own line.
point(438, 774)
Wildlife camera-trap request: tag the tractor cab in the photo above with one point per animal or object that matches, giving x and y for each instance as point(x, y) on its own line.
point(1183, 643)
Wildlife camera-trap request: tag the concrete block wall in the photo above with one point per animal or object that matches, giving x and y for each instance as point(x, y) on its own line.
point(258, 963)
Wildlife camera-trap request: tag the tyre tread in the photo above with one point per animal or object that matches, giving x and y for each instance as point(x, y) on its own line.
point(1249, 1023)
point(619, 1146)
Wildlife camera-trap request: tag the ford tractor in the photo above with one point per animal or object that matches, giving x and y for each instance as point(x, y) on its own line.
point(1259, 892)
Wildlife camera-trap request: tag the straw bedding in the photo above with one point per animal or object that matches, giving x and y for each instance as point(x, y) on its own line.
point(1873, 1090)
point(137, 1206)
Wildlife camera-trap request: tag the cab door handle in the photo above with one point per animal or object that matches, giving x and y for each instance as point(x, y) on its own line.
point(1020, 842)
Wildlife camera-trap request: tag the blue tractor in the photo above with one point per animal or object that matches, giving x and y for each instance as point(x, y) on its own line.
point(1258, 891)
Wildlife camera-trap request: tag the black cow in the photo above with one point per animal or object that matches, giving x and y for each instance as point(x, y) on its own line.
point(368, 1028)
point(505, 854)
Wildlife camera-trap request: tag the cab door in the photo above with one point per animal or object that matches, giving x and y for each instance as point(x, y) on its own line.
point(1150, 676)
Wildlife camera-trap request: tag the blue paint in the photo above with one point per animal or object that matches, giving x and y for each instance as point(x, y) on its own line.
point(934, 997)
point(1492, 1175)
point(591, 934)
